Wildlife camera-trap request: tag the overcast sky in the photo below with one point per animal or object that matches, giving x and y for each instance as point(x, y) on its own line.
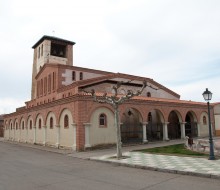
point(174, 42)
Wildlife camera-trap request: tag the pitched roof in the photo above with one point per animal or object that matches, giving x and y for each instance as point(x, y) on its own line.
point(107, 76)
point(52, 38)
point(150, 99)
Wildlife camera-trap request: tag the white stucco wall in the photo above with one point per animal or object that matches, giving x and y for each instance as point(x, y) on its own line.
point(217, 122)
point(39, 132)
point(66, 134)
point(102, 135)
point(204, 128)
point(217, 117)
point(51, 134)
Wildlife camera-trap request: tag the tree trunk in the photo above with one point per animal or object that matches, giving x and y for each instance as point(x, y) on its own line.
point(118, 130)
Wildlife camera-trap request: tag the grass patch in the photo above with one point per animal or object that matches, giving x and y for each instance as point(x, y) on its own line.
point(177, 149)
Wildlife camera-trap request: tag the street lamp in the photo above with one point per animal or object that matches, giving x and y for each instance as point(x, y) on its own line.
point(208, 96)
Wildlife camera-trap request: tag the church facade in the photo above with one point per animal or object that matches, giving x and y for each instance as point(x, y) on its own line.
point(61, 113)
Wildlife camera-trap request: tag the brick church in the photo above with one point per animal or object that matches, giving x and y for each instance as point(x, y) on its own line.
point(62, 115)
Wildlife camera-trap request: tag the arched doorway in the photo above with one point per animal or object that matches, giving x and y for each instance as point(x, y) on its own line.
point(174, 131)
point(155, 126)
point(191, 129)
point(131, 129)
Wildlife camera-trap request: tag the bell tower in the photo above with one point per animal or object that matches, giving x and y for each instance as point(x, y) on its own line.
point(50, 50)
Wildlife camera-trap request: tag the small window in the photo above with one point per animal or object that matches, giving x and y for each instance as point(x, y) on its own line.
point(41, 87)
point(204, 120)
point(51, 123)
point(80, 76)
point(49, 83)
point(39, 125)
point(16, 126)
point(148, 94)
point(11, 126)
point(38, 52)
point(102, 120)
point(54, 81)
point(42, 50)
point(73, 75)
point(66, 121)
point(30, 124)
point(45, 85)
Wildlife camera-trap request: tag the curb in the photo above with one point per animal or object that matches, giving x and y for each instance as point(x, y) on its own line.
point(197, 174)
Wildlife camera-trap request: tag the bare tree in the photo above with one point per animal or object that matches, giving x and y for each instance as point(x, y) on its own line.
point(115, 101)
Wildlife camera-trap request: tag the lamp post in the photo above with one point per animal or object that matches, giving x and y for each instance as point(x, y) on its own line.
point(208, 96)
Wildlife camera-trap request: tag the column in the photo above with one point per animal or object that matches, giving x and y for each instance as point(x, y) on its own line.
point(58, 136)
point(144, 125)
point(26, 134)
point(182, 126)
point(45, 135)
point(19, 138)
point(198, 129)
point(165, 132)
point(74, 136)
point(87, 140)
point(14, 134)
point(35, 134)
point(9, 132)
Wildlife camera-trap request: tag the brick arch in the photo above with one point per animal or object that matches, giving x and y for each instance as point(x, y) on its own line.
point(178, 113)
point(39, 115)
point(60, 110)
point(49, 113)
point(23, 119)
point(201, 113)
point(194, 114)
point(11, 123)
point(30, 118)
point(16, 121)
point(126, 107)
point(161, 114)
point(69, 113)
point(97, 106)
point(141, 118)
point(6, 123)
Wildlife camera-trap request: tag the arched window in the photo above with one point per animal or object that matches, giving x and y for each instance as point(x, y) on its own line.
point(80, 76)
point(30, 124)
point(38, 52)
point(39, 124)
point(23, 125)
point(11, 126)
point(204, 120)
point(16, 126)
point(102, 120)
point(148, 94)
point(51, 123)
point(66, 121)
point(73, 75)
point(42, 50)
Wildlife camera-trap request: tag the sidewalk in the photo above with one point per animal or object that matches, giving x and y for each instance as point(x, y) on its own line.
point(172, 164)
point(201, 167)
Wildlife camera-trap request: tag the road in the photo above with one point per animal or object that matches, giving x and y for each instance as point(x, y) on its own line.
point(24, 168)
